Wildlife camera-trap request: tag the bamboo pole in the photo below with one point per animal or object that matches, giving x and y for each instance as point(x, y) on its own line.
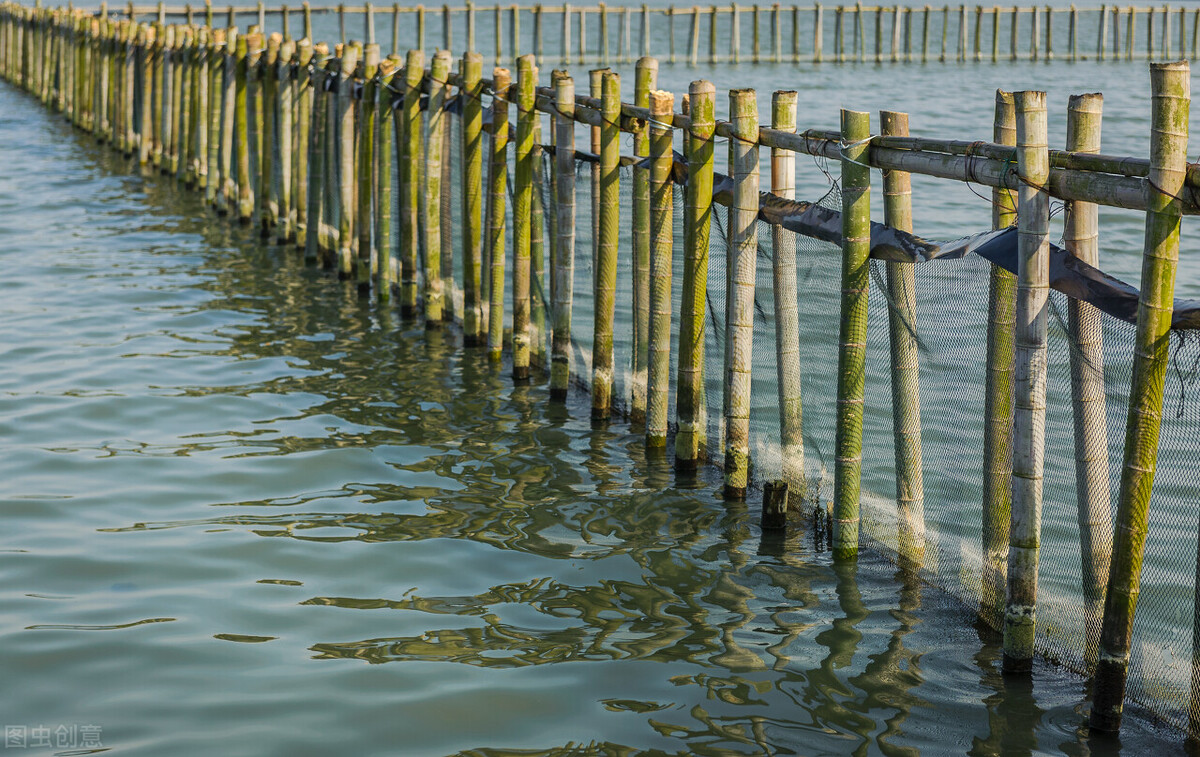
point(1029, 396)
point(606, 258)
point(245, 206)
point(216, 64)
point(1081, 237)
point(306, 57)
point(537, 255)
point(691, 407)
point(743, 248)
point(522, 214)
point(385, 143)
point(286, 108)
point(365, 167)
point(330, 196)
point(564, 255)
point(645, 80)
point(410, 186)
point(856, 243)
point(347, 208)
point(906, 401)
point(498, 176)
point(1171, 90)
point(661, 217)
point(787, 309)
point(998, 410)
point(226, 199)
point(435, 284)
point(268, 118)
point(471, 92)
point(146, 129)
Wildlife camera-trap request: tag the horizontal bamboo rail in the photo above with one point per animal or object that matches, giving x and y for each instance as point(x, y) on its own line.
point(901, 34)
point(144, 88)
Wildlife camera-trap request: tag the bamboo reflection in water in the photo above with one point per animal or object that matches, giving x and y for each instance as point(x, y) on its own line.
point(1013, 713)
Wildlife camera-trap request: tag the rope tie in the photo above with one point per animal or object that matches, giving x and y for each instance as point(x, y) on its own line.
point(843, 145)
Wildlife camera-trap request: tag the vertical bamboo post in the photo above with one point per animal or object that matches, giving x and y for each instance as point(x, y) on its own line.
point(286, 158)
point(537, 254)
point(606, 258)
point(694, 38)
point(1171, 91)
point(331, 183)
point(1029, 397)
point(302, 98)
point(266, 115)
point(1034, 32)
point(522, 214)
point(365, 167)
point(1081, 236)
point(712, 34)
point(644, 81)
point(216, 65)
point(925, 33)
point(691, 407)
point(906, 400)
point(743, 248)
point(435, 285)
point(146, 127)
point(787, 309)
point(498, 33)
point(410, 186)
point(471, 93)
point(308, 32)
point(856, 248)
point(227, 198)
point(447, 28)
point(661, 218)
point(385, 145)
point(998, 392)
point(564, 255)
point(565, 58)
point(245, 192)
point(498, 176)
point(818, 30)
point(347, 223)
point(1073, 33)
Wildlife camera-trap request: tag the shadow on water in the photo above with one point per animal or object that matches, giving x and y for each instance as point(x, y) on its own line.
point(557, 545)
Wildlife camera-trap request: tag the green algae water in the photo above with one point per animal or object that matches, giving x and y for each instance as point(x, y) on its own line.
point(248, 513)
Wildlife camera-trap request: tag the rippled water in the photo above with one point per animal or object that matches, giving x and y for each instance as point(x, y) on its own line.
point(247, 513)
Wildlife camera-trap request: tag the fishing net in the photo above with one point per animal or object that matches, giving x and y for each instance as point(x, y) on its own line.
point(950, 327)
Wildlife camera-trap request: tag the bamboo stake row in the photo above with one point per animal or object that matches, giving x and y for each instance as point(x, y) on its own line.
point(298, 142)
point(897, 37)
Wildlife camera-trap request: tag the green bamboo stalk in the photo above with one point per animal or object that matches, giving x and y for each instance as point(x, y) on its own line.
point(435, 285)
point(174, 116)
point(146, 126)
point(198, 166)
point(852, 343)
point(787, 308)
point(347, 223)
point(285, 230)
point(305, 56)
point(661, 218)
point(595, 89)
point(645, 80)
point(266, 114)
point(564, 252)
point(471, 92)
point(1081, 237)
point(212, 161)
point(1171, 91)
point(365, 172)
point(227, 197)
point(606, 258)
point(1029, 398)
point(537, 257)
point(331, 200)
point(522, 214)
point(498, 176)
point(998, 392)
point(160, 89)
point(690, 403)
point(410, 187)
point(906, 400)
point(242, 131)
point(445, 209)
point(383, 177)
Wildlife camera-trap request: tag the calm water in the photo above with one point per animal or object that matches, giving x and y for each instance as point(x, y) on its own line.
point(247, 513)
